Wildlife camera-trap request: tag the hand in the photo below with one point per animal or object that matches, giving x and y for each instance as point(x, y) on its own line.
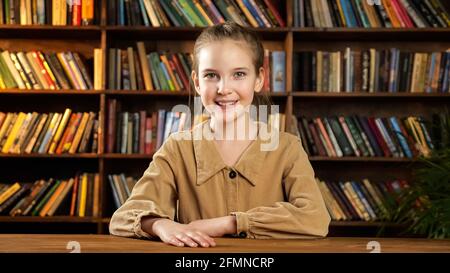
point(177, 234)
point(216, 227)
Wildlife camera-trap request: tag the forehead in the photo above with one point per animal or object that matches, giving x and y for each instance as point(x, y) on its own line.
point(225, 54)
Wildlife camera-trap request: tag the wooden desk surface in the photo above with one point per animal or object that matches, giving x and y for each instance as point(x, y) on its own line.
point(105, 243)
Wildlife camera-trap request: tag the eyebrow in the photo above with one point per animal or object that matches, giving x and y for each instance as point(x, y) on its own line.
point(208, 70)
point(214, 70)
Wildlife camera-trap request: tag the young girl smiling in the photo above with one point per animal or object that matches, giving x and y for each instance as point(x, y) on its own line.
point(225, 185)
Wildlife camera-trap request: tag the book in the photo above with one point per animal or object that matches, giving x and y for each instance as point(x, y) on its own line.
point(278, 71)
point(358, 13)
point(365, 136)
point(190, 13)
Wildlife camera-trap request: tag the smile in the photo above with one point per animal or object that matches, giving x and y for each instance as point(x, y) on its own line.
point(226, 103)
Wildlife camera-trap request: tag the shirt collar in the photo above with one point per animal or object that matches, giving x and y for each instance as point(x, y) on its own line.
point(209, 162)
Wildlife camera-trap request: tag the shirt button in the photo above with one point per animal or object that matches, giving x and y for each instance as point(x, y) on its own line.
point(243, 234)
point(232, 174)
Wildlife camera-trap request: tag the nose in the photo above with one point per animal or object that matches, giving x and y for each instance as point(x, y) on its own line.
point(223, 87)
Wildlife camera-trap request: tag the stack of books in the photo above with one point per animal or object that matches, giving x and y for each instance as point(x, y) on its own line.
point(144, 133)
point(136, 69)
point(49, 133)
point(141, 132)
point(131, 69)
point(49, 12)
point(359, 136)
point(195, 13)
point(76, 196)
point(363, 14)
point(36, 70)
point(361, 200)
point(371, 71)
point(121, 187)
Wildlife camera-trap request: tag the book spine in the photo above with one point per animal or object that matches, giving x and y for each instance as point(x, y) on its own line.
point(275, 12)
point(87, 12)
point(26, 81)
point(278, 70)
point(40, 131)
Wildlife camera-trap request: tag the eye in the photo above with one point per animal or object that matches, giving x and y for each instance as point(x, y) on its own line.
point(210, 75)
point(239, 74)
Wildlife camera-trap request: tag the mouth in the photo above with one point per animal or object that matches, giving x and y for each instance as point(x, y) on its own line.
point(226, 103)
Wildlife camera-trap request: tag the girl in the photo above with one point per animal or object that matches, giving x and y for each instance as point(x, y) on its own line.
point(225, 186)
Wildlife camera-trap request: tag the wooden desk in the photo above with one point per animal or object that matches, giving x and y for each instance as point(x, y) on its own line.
point(106, 243)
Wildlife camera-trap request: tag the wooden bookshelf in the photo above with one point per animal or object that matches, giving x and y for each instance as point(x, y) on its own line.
point(53, 219)
point(50, 92)
point(292, 103)
point(128, 156)
point(311, 94)
point(372, 34)
point(148, 93)
point(34, 155)
point(360, 159)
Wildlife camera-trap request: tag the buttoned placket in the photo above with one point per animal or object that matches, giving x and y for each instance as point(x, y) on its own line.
point(232, 186)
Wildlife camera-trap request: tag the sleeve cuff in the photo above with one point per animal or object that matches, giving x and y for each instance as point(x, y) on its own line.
point(137, 226)
point(242, 225)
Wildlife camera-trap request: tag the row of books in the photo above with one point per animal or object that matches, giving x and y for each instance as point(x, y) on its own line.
point(52, 133)
point(75, 196)
point(143, 132)
point(359, 136)
point(135, 69)
point(388, 70)
point(194, 13)
point(345, 201)
point(121, 187)
point(49, 12)
point(40, 70)
point(361, 200)
point(76, 132)
point(131, 69)
point(363, 14)
point(140, 132)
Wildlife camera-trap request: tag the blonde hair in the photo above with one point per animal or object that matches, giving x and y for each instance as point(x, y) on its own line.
point(232, 31)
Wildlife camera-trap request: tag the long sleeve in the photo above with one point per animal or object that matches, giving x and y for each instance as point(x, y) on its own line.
point(153, 195)
point(303, 215)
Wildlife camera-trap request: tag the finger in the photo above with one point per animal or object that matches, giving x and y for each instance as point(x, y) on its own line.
point(172, 240)
point(198, 238)
point(186, 240)
point(209, 239)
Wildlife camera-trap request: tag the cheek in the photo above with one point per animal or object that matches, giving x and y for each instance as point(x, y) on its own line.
point(208, 90)
point(207, 85)
point(208, 94)
point(246, 92)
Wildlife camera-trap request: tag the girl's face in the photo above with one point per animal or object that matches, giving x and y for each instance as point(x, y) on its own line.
point(226, 79)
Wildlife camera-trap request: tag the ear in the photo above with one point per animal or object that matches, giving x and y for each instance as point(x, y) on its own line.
point(260, 80)
point(194, 77)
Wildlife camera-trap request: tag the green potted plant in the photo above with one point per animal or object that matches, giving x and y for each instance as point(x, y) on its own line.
point(424, 206)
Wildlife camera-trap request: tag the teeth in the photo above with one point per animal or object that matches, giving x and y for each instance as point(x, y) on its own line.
point(225, 103)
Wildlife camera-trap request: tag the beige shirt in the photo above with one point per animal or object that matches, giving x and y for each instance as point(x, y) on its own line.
point(273, 194)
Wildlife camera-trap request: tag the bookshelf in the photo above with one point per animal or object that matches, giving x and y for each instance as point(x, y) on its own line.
point(290, 39)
